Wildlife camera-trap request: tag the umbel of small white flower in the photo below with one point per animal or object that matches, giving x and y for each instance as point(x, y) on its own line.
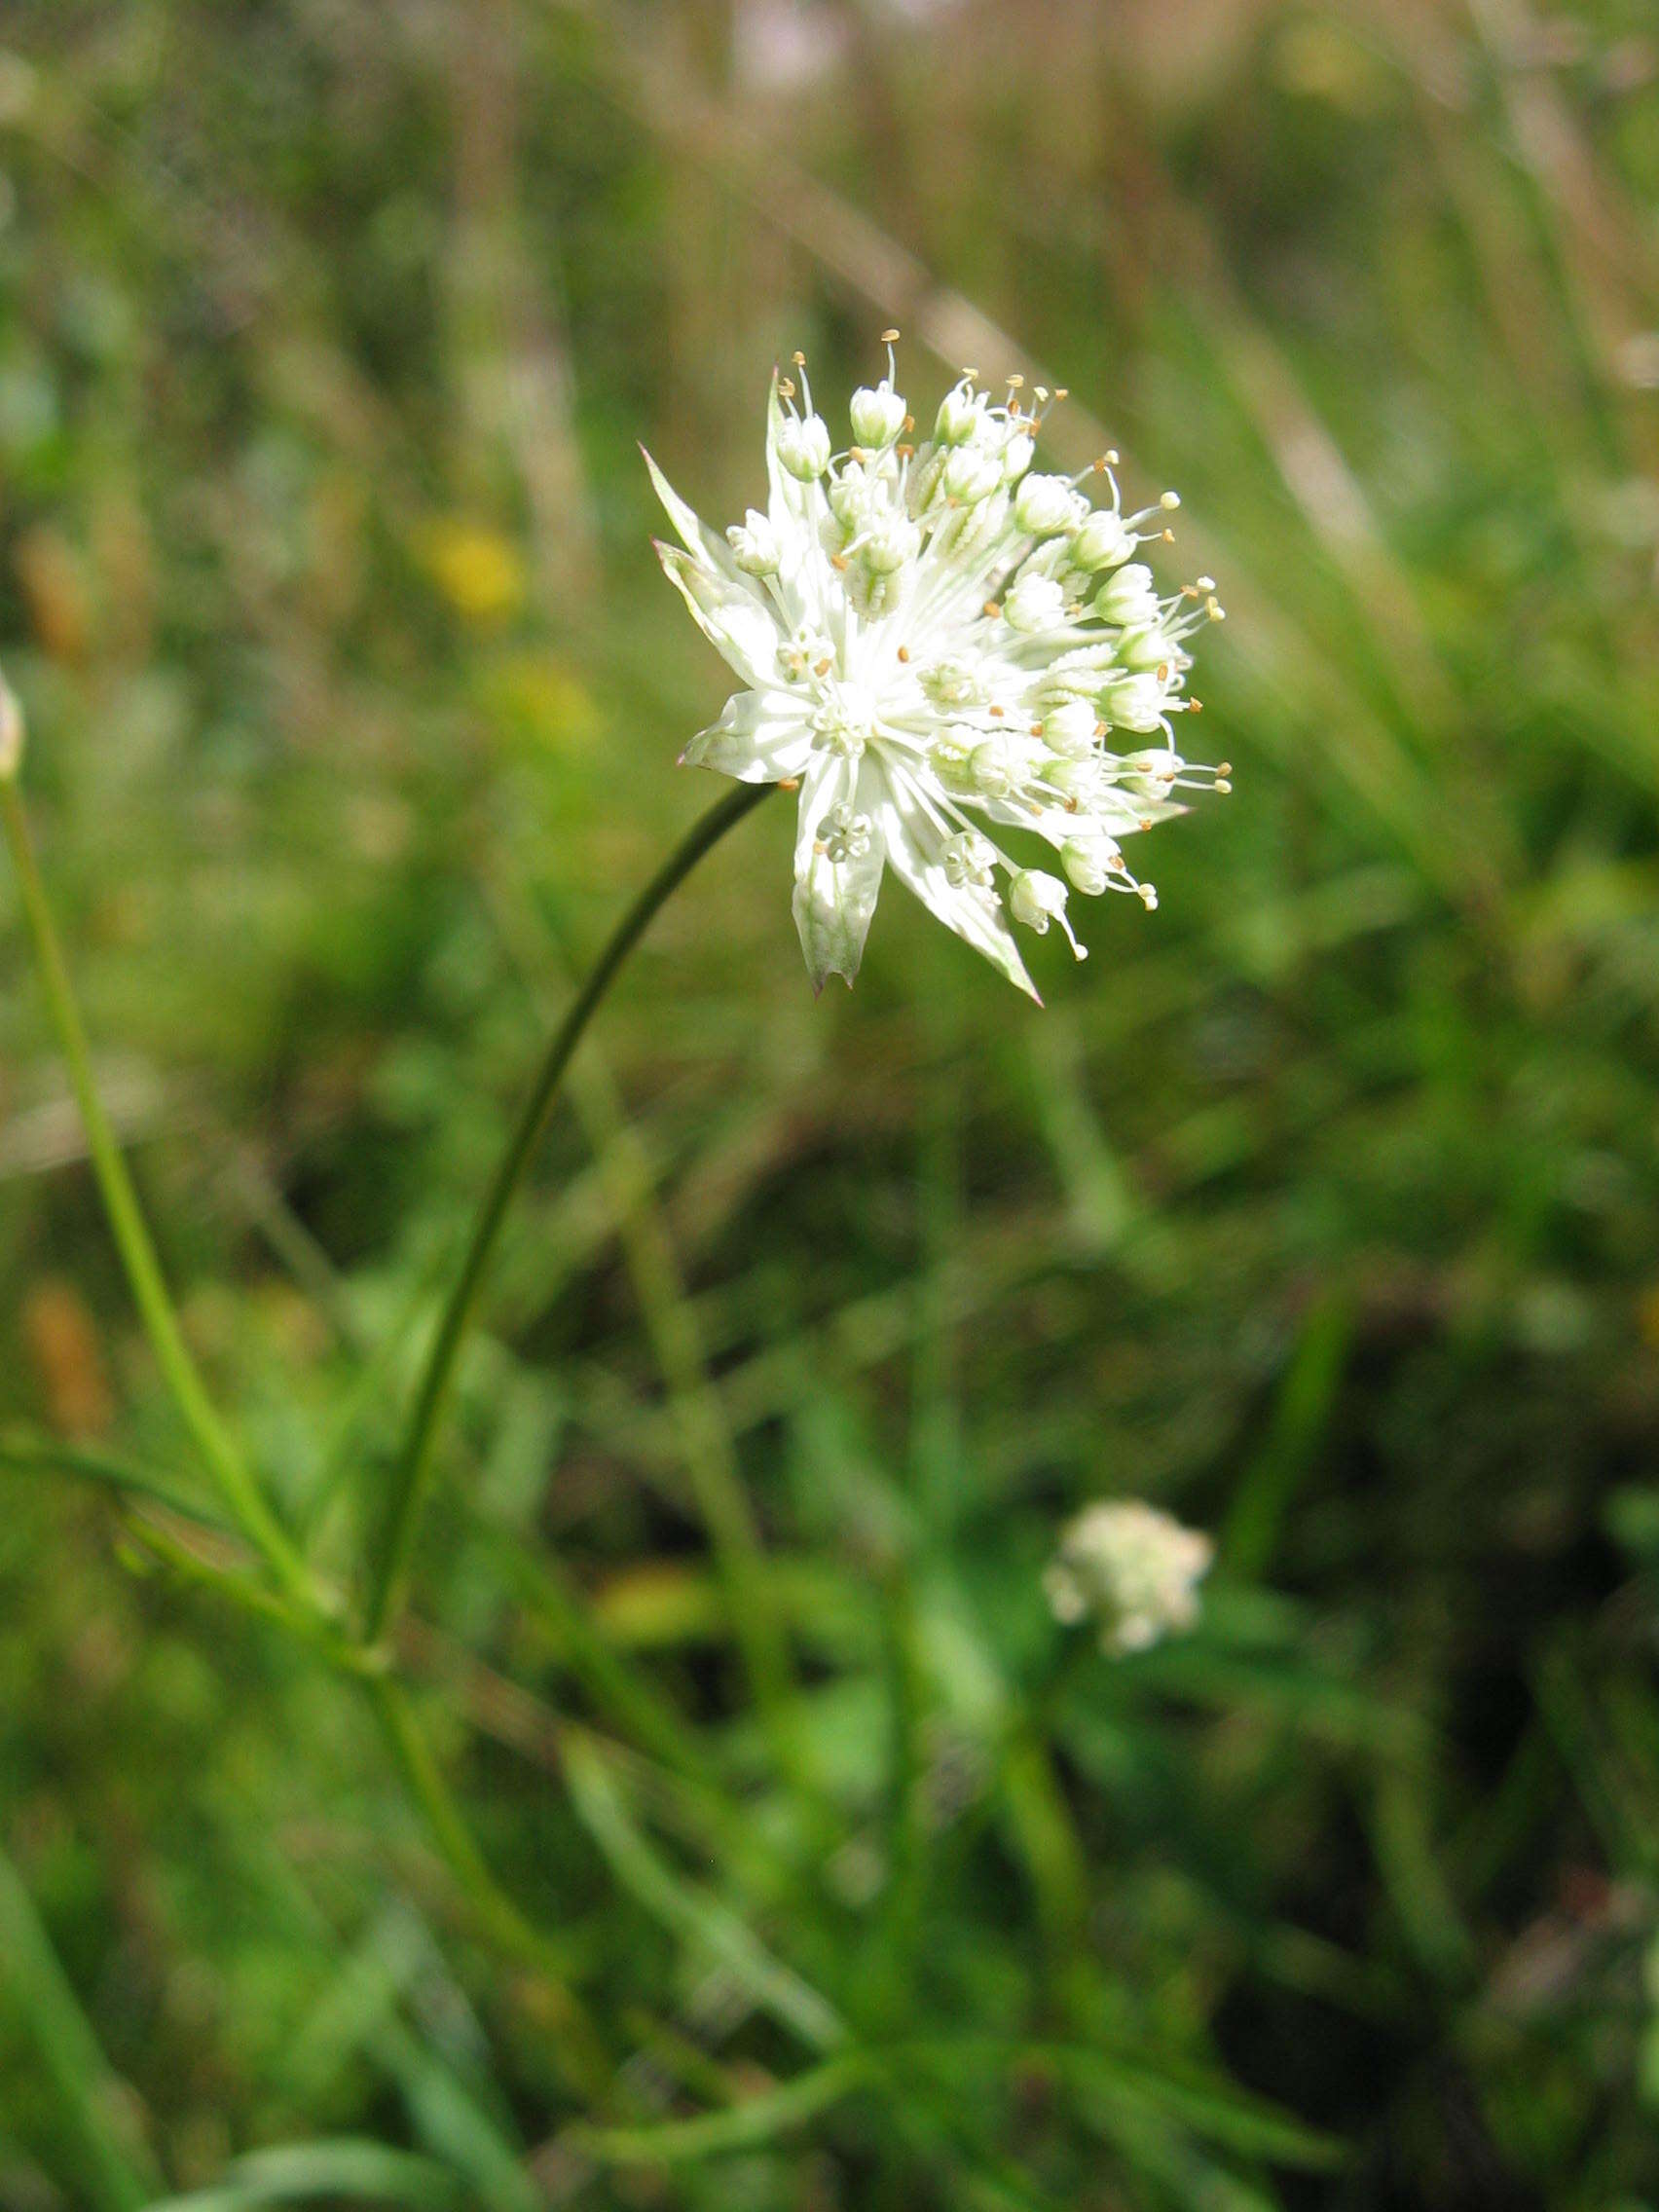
point(940, 643)
point(1132, 1568)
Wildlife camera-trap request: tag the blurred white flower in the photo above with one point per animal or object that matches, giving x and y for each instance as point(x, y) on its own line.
point(10, 732)
point(1132, 1568)
point(937, 645)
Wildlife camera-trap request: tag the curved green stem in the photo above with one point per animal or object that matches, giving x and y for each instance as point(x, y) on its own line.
point(412, 1472)
point(224, 1461)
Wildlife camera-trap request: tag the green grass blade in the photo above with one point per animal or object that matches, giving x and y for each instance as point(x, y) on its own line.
point(116, 2167)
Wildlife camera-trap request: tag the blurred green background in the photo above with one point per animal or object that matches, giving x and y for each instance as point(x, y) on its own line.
point(1321, 1208)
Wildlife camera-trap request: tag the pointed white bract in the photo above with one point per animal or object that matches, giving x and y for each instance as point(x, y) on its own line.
point(940, 644)
point(1131, 1569)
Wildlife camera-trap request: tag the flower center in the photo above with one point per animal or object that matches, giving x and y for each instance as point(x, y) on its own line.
point(845, 722)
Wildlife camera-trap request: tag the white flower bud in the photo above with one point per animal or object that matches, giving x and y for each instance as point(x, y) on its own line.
point(953, 683)
point(891, 540)
point(1035, 897)
point(1074, 779)
point(1042, 504)
point(1135, 702)
point(753, 544)
point(1150, 650)
point(1036, 602)
point(960, 413)
point(875, 593)
point(1103, 540)
point(971, 473)
point(1038, 898)
point(11, 732)
point(951, 758)
point(994, 769)
point(1088, 864)
point(878, 416)
point(1017, 456)
point(967, 530)
point(851, 495)
point(1128, 597)
point(1068, 729)
point(1149, 775)
point(1075, 674)
point(804, 446)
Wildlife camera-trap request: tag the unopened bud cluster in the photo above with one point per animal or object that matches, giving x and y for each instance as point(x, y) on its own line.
point(1133, 1569)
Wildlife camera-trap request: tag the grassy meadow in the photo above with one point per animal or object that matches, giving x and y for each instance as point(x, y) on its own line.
point(736, 1828)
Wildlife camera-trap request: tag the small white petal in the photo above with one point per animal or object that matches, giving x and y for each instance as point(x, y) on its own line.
point(916, 854)
point(699, 540)
point(834, 896)
point(760, 738)
point(738, 627)
point(878, 415)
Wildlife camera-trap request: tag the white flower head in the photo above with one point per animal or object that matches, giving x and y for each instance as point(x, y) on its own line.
point(1132, 1568)
point(936, 644)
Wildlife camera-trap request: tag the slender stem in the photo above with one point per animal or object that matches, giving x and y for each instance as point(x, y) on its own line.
point(411, 1471)
point(497, 1917)
point(223, 1460)
point(496, 1912)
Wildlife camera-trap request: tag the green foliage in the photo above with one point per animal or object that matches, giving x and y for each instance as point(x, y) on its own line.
point(1321, 1208)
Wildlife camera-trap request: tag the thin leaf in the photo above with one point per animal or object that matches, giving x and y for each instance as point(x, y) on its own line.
point(682, 1906)
point(758, 2119)
point(299, 2173)
point(115, 2164)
